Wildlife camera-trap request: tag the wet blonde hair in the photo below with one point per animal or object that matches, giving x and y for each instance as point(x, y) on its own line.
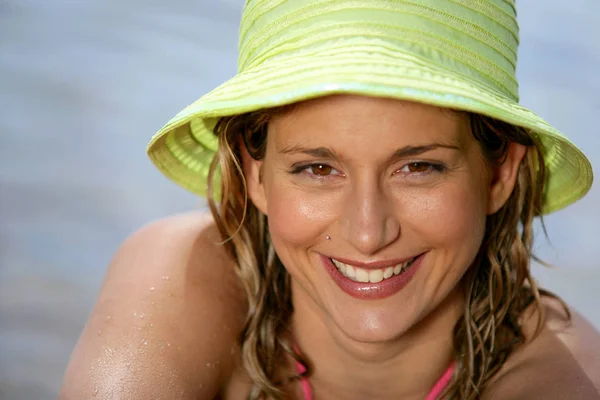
point(498, 286)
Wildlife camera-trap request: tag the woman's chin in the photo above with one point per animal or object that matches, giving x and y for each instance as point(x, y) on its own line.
point(372, 324)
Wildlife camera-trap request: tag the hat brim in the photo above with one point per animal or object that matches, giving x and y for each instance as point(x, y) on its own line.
point(184, 147)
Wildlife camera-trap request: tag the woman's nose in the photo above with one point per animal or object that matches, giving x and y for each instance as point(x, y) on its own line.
point(369, 222)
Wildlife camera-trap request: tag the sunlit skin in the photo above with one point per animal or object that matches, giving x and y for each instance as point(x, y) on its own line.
point(385, 179)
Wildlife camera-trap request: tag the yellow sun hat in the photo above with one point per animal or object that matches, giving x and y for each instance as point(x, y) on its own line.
point(459, 54)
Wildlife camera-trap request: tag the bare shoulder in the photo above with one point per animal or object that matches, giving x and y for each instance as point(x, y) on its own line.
point(579, 337)
point(166, 320)
point(562, 362)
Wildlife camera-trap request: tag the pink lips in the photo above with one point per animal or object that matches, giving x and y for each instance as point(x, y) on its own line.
point(368, 290)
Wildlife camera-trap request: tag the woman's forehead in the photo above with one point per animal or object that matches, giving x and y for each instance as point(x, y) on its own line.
point(362, 117)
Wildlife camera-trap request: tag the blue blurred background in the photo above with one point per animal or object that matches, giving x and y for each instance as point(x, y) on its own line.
point(85, 83)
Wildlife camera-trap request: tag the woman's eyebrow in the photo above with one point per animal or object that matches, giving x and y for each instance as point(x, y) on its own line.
point(318, 152)
point(403, 152)
point(409, 151)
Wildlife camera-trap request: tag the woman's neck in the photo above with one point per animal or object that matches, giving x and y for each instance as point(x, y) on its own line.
point(405, 367)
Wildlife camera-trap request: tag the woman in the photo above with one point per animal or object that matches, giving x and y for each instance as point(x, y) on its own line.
point(372, 183)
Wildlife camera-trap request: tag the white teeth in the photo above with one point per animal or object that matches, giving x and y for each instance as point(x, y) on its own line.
point(362, 275)
point(374, 276)
point(339, 265)
point(389, 271)
point(350, 271)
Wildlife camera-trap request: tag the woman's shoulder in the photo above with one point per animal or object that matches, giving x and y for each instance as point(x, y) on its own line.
point(167, 318)
point(561, 362)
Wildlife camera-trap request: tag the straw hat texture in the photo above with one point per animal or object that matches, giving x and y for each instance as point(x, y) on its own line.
point(460, 54)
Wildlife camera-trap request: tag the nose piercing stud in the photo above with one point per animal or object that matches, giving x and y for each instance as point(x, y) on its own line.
point(327, 237)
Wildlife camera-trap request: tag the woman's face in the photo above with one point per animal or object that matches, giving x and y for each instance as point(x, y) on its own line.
point(376, 207)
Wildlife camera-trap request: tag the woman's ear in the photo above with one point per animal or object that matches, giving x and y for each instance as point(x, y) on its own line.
point(504, 177)
point(253, 174)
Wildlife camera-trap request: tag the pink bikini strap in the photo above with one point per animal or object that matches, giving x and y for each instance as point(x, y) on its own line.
point(437, 389)
point(441, 384)
point(304, 382)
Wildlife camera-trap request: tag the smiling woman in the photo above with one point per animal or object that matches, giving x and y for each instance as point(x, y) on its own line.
point(372, 191)
point(406, 215)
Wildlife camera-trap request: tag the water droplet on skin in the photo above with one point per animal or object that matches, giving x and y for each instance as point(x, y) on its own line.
point(108, 318)
point(165, 278)
point(142, 316)
point(151, 325)
point(152, 288)
point(145, 342)
point(95, 392)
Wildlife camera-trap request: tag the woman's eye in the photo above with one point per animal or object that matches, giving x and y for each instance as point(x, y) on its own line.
point(421, 168)
point(317, 170)
point(320, 169)
point(418, 167)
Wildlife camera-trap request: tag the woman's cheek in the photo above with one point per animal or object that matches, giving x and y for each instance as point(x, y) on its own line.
point(448, 215)
point(297, 217)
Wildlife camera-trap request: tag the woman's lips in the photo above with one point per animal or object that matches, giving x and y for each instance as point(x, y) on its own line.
point(373, 274)
point(368, 284)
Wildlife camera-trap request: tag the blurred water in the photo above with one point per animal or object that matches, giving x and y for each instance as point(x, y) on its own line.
point(83, 86)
